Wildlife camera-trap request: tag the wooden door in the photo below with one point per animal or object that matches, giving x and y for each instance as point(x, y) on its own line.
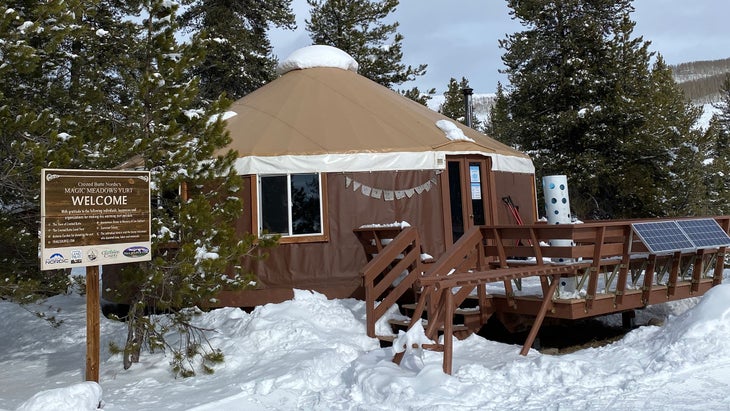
point(469, 193)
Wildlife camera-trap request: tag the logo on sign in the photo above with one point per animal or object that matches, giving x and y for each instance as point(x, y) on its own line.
point(56, 258)
point(110, 253)
point(136, 251)
point(75, 256)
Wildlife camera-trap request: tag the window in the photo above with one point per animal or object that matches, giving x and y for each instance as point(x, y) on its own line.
point(291, 204)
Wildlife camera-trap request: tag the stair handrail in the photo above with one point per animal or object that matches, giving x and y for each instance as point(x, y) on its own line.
point(396, 257)
point(457, 255)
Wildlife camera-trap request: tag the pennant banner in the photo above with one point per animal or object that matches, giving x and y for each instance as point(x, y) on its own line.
point(390, 195)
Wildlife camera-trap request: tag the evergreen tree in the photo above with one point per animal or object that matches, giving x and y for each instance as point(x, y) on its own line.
point(57, 71)
point(239, 56)
point(418, 96)
point(498, 124)
point(585, 102)
point(356, 27)
point(454, 106)
point(86, 87)
point(671, 119)
point(177, 135)
point(718, 133)
point(723, 106)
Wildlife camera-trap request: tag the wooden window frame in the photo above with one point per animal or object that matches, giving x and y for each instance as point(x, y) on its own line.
point(299, 238)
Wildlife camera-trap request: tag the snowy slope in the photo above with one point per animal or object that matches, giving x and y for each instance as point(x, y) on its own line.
point(482, 104)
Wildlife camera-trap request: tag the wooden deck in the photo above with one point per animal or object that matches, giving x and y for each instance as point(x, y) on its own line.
point(605, 270)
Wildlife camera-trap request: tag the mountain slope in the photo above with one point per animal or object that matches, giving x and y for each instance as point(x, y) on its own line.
point(701, 80)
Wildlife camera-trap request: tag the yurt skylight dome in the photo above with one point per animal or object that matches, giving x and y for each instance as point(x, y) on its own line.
point(317, 56)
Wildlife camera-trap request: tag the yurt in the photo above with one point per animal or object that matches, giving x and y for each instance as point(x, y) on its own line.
point(324, 150)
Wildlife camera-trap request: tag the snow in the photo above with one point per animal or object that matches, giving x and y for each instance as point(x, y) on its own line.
point(317, 56)
point(396, 224)
point(312, 353)
point(708, 111)
point(201, 253)
point(27, 25)
point(452, 132)
point(83, 396)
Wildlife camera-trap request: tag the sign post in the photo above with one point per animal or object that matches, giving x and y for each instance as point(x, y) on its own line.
point(92, 323)
point(91, 218)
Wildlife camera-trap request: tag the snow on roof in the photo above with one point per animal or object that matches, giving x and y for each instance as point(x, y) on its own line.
point(452, 132)
point(317, 56)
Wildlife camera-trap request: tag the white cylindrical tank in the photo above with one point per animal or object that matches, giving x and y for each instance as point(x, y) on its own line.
point(557, 210)
point(557, 203)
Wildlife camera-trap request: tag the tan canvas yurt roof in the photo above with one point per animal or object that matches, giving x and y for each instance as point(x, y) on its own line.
point(320, 115)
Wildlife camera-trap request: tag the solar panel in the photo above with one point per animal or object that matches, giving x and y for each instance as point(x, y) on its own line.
point(662, 236)
point(705, 233)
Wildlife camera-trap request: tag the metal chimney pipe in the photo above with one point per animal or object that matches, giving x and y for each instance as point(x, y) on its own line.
point(467, 104)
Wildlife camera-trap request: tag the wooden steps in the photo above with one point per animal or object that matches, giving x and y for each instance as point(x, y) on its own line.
point(468, 320)
point(411, 307)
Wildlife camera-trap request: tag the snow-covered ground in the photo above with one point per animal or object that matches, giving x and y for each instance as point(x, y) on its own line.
point(311, 353)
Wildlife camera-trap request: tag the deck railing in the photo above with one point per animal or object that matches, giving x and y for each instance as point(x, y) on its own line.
point(612, 269)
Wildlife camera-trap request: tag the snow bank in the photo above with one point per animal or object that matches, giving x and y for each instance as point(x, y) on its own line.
point(698, 335)
point(452, 132)
point(312, 353)
point(317, 56)
point(79, 397)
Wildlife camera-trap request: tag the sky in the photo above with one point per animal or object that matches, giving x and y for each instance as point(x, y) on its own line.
point(460, 38)
point(313, 354)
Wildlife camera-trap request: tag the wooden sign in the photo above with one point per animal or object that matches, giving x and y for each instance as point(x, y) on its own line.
point(91, 218)
point(94, 217)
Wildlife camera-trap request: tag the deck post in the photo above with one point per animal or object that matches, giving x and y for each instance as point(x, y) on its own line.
point(697, 271)
point(628, 319)
point(719, 267)
point(370, 310)
point(547, 300)
point(448, 307)
point(674, 274)
point(648, 279)
point(595, 267)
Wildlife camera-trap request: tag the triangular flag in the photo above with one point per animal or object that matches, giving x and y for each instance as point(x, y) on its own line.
point(348, 181)
point(356, 185)
point(410, 192)
point(419, 189)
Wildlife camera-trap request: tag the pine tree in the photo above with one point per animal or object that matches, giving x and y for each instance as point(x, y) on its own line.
point(671, 119)
point(717, 180)
point(498, 124)
point(239, 56)
point(419, 96)
point(356, 27)
point(454, 106)
point(585, 102)
point(56, 71)
point(92, 92)
point(194, 240)
point(723, 106)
